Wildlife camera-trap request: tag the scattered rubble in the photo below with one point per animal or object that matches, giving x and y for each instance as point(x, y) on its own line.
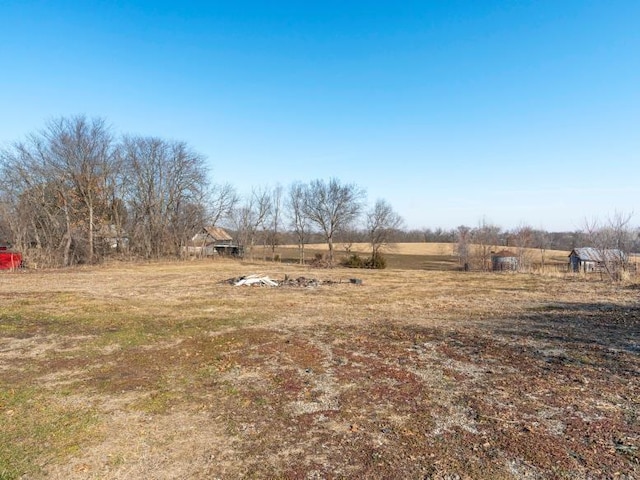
point(306, 282)
point(265, 281)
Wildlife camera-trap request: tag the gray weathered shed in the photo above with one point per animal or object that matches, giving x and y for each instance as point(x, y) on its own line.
point(212, 241)
point(504, 260)
point(590, 259)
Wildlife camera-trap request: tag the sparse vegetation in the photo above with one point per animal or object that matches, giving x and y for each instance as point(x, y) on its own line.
point(353, 261)
point(164, 370)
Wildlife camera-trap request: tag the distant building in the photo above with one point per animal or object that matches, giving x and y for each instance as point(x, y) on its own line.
point(504, 261)
point(212, 241)
point(590, 259)
point(112, 238)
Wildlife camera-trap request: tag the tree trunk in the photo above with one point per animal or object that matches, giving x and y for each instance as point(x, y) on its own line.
point(330, 243)
point(67, 245)
point(91, 249)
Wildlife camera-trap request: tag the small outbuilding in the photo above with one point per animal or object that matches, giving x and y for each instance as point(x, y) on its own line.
point(590, 259)
point(212, 241)
point(504, 261)
point(112, 238)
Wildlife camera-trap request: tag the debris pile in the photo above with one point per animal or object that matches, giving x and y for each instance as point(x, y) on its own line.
point(301, 282)
point(265, 281)
point(255, 280)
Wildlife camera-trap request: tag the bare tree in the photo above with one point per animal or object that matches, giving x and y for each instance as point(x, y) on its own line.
point(69, 185)
point(6, 217)
point(332, 207)
point(382, 221)
point(59, 175)
point(463, 243)
point(298, 221)
point(274, 220)
point(53, 198)
point(621, 234)
point(221, 200)
point(542, 239)
point(81, 151)
point(485, 237)
point(166, 193)
point(612, 240)
point(116, 190)
point(250, 216)
point(523, 239)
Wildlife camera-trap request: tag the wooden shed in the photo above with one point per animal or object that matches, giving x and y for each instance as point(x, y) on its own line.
point(212, 241)
point(590, 259)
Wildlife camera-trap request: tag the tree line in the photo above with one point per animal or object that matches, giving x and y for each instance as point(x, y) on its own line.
point(75, 193)
point(72, 187)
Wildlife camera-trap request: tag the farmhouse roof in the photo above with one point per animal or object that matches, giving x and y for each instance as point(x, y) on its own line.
point(591, 254)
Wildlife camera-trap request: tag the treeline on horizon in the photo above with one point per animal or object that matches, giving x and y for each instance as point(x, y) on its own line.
point(74, 192)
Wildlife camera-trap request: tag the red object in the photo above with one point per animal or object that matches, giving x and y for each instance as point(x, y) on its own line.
point(10, 260)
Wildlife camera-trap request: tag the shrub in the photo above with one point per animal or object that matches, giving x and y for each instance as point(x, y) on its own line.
point(378, 262)
point(354, 261)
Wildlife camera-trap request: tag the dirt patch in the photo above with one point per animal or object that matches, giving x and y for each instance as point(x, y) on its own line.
point(177, 445)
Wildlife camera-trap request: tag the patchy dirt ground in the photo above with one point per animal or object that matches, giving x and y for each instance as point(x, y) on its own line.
point(166, 372)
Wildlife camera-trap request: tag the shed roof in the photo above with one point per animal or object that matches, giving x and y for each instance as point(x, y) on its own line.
point(218, 233)
point(504, 254)
point(591, 254)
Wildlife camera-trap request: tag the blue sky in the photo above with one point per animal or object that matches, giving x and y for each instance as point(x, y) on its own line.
point(453, 111)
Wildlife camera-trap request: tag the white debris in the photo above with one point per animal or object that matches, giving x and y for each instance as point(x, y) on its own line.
point(256, 280)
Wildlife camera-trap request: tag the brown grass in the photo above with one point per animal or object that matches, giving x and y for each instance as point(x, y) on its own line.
point(415, 256)
point(165, 371)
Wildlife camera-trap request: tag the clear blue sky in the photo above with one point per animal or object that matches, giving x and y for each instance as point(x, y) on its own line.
point(515, 111)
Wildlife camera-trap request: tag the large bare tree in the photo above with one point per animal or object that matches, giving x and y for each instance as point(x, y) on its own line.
point(81, 151)
point(166, 193)
point(59, 177)
point(36, 204)
point(332, 207)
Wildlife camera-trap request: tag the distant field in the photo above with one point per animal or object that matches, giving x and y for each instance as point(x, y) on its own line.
point(168, 370)
point(420, 256)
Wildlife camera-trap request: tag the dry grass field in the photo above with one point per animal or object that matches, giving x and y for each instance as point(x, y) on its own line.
point(411, 256)
point(167, 371)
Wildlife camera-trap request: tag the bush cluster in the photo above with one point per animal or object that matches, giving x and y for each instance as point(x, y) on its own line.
point(356, 261)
